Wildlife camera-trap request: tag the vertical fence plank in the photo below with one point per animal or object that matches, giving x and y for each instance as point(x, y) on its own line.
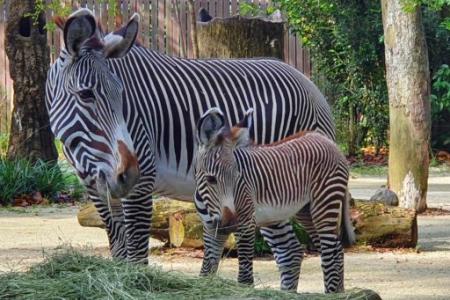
point(183, 27)
point(234, 7)
point(144, 12)
point(154, 4)
point(189, 51)
point(176, 27)
point(168, 24)
point(161, 25)
point(219, 8)
point(300, 54)
point(213, 8)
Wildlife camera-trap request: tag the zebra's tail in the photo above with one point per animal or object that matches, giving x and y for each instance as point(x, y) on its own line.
point(348, 232)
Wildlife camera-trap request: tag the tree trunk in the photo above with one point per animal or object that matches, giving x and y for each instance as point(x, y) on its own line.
point(29, 56)
point(239, 37)
point(407, 76)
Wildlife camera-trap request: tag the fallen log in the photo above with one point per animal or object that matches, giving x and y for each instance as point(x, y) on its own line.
point(174, 222)
point(177, 223)
point(380, 225)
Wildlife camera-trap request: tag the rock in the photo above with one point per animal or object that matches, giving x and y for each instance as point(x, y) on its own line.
point(385, 196)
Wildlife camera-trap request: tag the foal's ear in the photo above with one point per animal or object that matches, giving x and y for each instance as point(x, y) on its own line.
point(119, 42)
point(240, 133)
point(210, 126)
point(79, 27)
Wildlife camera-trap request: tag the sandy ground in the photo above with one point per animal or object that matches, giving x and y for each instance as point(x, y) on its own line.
point(25, 237)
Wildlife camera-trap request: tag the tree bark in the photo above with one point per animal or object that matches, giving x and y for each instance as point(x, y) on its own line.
point(408, 80)
point(29, 56)
point(239, 37)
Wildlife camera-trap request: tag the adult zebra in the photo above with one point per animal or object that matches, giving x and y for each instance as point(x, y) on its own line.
point(127, 117)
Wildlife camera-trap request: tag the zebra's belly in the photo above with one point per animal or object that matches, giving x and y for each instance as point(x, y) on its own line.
point(267, 215)
point(173, 184)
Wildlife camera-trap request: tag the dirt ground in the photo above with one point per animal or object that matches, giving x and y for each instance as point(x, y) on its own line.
point(27, 234)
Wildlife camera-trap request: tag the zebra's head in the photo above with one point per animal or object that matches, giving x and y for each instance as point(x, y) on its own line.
point(219, 182)
point(84, 101)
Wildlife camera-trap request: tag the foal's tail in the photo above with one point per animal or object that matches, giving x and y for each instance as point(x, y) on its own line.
point(347, 230)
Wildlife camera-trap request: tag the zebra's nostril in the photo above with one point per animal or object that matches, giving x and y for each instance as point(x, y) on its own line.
point(122, 178)
point(102, 175)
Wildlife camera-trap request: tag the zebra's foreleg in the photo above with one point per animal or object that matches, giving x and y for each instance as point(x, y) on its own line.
point(287, 251)
point(246, 246)
point(138, 214)
point(115, 227)
point(213, 248)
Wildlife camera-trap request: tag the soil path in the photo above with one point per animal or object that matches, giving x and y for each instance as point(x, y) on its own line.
point(25, 235)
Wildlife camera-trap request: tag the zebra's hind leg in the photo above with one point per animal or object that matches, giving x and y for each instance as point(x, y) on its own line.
point(326, 219)
point(246, 251)
point(213, 249)
point(287, 251)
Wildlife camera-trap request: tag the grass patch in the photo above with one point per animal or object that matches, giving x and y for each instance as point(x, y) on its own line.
point(363, 170)
point(72, 275)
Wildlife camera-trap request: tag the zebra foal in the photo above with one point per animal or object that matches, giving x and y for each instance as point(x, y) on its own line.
point(245, 185)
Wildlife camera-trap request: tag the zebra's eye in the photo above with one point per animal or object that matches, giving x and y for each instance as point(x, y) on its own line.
point(86, 95)
point(211, 179)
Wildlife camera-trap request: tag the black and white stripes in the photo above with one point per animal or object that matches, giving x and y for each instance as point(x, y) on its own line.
point(243, 186)
point(97, 97)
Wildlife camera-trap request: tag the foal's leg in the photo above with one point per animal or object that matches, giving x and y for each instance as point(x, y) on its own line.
point(326, 218)
point(213, 249)
point(287, 251)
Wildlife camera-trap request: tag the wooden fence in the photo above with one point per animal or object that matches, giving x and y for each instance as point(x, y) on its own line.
point(165, 27)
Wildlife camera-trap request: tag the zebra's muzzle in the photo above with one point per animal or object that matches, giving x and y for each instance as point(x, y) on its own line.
point(127, 173)
point(228, 222)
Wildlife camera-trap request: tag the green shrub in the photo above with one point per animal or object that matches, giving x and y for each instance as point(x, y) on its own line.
point(20, 177)
point(3, 144)
point(440, 108)
point(261, 246)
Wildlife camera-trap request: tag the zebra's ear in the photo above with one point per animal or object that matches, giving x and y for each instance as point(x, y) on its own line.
point(210, 126)
point(240, 133)
point(79, 27)
point(118, 43)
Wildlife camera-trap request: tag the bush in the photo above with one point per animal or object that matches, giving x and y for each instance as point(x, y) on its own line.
point(440, 108)
point(21, 178)
point(3, 144)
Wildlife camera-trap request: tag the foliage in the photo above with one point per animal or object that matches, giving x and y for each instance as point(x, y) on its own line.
point(435, 5)
point(4, 138)
point(21, 177)
point(440, 98)
point(345, 38)
point(59, 8)
point(72, 275)
point(261, 246)
point(440, 107)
